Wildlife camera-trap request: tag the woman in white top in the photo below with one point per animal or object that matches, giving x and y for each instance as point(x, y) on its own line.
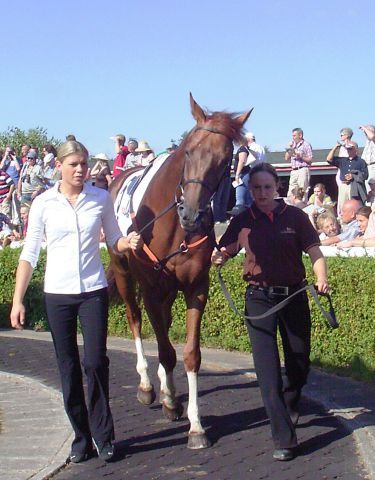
point(70, 216)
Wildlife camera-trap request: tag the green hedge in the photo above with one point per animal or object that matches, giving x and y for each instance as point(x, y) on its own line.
point(349, 349)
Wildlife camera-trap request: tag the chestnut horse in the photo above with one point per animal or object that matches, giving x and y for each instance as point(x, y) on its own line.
point(175, 220)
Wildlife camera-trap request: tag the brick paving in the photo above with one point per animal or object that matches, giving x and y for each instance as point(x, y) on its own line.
point(150, 447)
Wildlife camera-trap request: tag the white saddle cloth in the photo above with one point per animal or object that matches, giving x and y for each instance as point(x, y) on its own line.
point(132, 186)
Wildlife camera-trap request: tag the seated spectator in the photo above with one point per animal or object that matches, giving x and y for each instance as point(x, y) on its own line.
point(101, 171)
point(319, 198)
point(7, 230)
point(295, 198)
point(31, 181)
point(348, 219)
point(146, 151)
point(327, 225)
point(370, 199)
point(362, 217)
point(24, 214)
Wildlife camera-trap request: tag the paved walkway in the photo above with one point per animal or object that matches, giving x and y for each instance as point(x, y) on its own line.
point(336, 431)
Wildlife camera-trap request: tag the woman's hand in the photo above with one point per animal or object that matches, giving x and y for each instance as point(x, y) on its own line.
point(322, 286)
point(135, 241)
point(17, 316)
point(219, 257)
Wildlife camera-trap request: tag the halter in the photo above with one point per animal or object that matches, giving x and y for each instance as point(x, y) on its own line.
point(184, 247)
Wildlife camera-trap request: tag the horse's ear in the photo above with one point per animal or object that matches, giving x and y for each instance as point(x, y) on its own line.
point(197, 111)
point(242, 119)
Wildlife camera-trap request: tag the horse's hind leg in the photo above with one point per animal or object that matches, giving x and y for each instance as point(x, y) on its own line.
point(161, 317)
point(126, 288)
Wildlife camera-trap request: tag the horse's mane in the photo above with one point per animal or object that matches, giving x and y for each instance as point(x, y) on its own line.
point(226, 123)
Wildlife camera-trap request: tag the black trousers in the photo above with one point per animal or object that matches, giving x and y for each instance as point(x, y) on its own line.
point(280, 397)
point(94, 421)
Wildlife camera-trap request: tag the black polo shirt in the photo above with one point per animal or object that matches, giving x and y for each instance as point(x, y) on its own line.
point(347, 165)
point(273, 244)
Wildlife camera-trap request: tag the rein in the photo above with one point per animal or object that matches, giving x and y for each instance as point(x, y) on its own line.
point(184, 247)
point(329, 316)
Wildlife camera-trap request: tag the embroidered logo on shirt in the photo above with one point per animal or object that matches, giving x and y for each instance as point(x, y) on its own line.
point(288, 230)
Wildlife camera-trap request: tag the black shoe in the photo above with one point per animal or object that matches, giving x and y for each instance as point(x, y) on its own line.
point(77, 457)
point(106, 451)
point(284, 454)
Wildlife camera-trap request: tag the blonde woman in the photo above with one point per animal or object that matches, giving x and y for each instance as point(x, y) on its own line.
point(101, 171)
point(70, 216)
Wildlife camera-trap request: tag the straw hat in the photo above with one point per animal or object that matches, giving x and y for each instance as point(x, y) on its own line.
point(101, 156)
point(143, 146)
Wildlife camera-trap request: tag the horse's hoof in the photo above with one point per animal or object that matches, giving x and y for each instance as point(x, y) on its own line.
point(146, 397)
point(198, 440)
point(175, 413)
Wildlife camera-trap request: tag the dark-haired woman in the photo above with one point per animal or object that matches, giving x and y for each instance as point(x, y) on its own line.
point(274, 236)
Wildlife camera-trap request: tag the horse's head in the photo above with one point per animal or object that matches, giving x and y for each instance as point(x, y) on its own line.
point(208, 150)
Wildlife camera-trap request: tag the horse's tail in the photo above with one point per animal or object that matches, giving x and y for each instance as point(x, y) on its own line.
point(113, 293)
point(129, 287)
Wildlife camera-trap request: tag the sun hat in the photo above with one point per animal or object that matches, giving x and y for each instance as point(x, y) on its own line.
point(101, 156)
point(143, 146)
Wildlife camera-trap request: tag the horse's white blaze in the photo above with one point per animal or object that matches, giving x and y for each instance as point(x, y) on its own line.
point(142, 365)
point(193, 410)
point(167, 388)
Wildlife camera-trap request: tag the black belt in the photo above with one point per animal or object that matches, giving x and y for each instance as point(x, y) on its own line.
point(298, 168)
point(372, 163)
point(278, 289)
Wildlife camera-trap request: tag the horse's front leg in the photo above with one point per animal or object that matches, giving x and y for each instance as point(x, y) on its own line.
point(126, 287)
point(195, 302)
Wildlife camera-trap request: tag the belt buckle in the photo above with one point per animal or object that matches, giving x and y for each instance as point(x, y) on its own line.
point(276, 290)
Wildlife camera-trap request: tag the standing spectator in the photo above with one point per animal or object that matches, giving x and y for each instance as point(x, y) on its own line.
point(6, 191)
point(11, 164)
point(121, 154)
point(50, 172)
point(299, 154)
point(147, 154)
point(247, 156)
point(24, 151)
point(133, 159)
point(101, 171)
point(31, 182)
point(348, 221)
point(273, 270)
point(353, 173)
point(368, 153)
point(70, 216)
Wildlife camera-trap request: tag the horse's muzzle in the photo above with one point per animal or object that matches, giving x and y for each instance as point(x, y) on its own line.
point(194, 221)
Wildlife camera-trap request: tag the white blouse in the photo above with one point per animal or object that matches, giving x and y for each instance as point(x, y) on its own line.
point(72, 237)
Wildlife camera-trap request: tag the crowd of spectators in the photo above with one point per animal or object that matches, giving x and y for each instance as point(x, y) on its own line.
point(339, 223)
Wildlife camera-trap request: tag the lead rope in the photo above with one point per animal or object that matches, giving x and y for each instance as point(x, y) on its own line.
point(329, 316)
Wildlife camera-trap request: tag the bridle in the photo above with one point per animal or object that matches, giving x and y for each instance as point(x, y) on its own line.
point(184, 247)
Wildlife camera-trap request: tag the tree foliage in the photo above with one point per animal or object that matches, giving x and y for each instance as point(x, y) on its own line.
point(36, 137)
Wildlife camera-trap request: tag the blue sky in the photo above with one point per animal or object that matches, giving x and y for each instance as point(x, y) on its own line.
point(97, 68)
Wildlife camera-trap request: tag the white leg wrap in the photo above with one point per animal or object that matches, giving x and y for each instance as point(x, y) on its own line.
point(167, 388)
point(193, 409)
point(142, 365)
